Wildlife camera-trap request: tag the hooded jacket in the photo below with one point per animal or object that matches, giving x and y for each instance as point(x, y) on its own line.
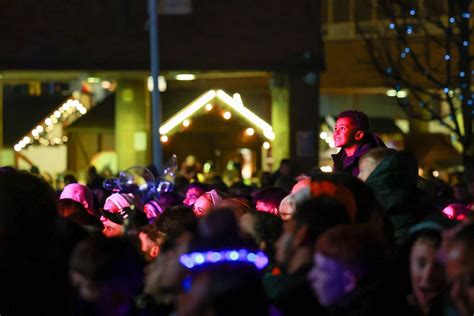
point(394, 184)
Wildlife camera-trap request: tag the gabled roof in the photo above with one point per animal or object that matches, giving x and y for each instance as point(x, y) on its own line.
point(233, 103)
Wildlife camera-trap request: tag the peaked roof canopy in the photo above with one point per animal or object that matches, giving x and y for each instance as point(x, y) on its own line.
point(234, 103)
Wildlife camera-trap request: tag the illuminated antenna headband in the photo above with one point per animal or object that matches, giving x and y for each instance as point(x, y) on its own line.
point(194, 259)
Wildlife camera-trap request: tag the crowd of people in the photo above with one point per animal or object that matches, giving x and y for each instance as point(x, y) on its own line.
point(371, 238)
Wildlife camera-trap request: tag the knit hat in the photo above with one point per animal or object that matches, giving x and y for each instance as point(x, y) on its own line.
point(79, 193)
point(123, 200)
point(152, 210)
point(215, 197)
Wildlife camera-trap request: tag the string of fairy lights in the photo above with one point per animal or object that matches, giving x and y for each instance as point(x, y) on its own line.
point(41, 134)
point(449, 89)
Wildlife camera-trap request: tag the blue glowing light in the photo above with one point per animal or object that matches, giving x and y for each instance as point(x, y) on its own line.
point(388, 70)
point(234, 255)
point(452, 20)
point(446, 90)
point(403, 55)
point(461, 97)
point(191, 260)
point(447, 57)
point(409, 29)
point(187, 262)
point(466, 15)
point(465, 43)
point(407, 50)
point(199, 259)
point(252, 257)
point(469, 102)
point(462, 74)
point(422, 104)
point(391, 26)
point(412, 12)
point(215, 257)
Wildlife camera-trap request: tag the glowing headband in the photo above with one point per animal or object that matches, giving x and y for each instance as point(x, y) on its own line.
point(193, 259)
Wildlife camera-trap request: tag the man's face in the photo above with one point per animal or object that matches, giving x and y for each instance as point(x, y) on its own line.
point(266, 207)
point(111, 229)
point(426, 272)
point(192, 194)
point(366, 166)
point(460, 271)
point(286, 245)
point(344, 133)
point(327, 279)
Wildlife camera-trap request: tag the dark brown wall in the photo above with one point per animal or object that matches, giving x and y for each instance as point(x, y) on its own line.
point(110, 34)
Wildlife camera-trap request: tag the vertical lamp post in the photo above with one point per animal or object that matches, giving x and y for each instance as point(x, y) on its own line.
point(155, 93)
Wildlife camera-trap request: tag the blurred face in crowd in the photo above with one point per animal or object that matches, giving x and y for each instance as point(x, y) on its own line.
point(366, 166)
point(460, 271)
point(329, 279)
point(287, 244)
point(266, 207)
point(346, 133)
point(426, 272)
point(151, 248)
point(192, 194)
point(203, 205)
point(111, 229)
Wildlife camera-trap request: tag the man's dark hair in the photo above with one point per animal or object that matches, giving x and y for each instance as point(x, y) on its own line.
point(174, 221)
point(319, 214)
point(270, 195)
point(198, 186)
point(358, 118)
point(267, 229)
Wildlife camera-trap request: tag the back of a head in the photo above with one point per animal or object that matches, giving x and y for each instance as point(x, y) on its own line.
point(31, 264)
point(219, 229)
point(358, 119)
point(168, 199)
point(28, 208)
point(103, 259)
point(270, 195)
point(319, 214)
point(173, 222)
point(68, 207)
point(240, 205)
point(360, 247)
point(362, 193)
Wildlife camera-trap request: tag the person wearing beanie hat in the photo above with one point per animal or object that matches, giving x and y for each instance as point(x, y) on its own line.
point(152, 210)
point(116, 213)
point(124, 221)
point(118, 201)
point(205, 202)
point(81, 194)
